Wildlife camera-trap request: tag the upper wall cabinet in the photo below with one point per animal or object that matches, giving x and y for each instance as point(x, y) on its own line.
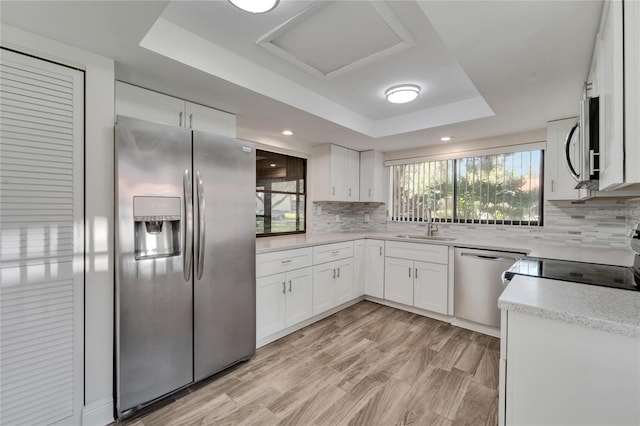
point(618, 62)
point(372, 177)
point(148, 105)
point(335, 173)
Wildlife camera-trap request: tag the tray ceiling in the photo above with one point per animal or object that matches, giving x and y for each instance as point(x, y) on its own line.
point(331, 38)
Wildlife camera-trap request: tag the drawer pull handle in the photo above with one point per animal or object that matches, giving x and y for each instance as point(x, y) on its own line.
point(289, 286)
point(338, 272)
point(335, 252)
point(334, 273)
point(286, 261)
point(284, 287)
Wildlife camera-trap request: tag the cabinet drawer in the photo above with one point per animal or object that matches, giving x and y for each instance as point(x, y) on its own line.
point(417, 251)
point(331, 252)
point(282, 261)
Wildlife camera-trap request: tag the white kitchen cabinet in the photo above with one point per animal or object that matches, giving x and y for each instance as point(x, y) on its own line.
point(619, 89)
point(335, 173)
point(205, 119)
point(359, 267)
point(430, 289)
point(372, 177)
point(565, 374)
point(283, 300)
point(332, 284)
point(345, 289)
point(324, 287)
point(558, 182)
point(374, 268)
point(398, 280)
point(417, 275)
point(353, 175)
point(134, 101)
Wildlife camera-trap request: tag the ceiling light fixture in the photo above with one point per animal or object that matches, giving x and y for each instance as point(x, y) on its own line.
point(445, 138)
point(272, 164)
point(402, 94)
point(255, 6)
point(287, 132)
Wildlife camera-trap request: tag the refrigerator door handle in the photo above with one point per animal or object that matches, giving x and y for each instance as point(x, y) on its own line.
point(188, 233)
point(201, 226)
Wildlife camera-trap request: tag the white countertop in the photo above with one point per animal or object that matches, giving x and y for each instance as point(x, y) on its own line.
point(601, 308)
point(532, 247)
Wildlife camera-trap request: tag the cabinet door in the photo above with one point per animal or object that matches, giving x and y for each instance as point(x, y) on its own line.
point(270, 305)
point(374, 268)
point(136, 102)
point(299, 296)
point(372, 183)
point(632, 90)
point(353, 175)
point(359, 270)
point(338, 178)
point(431, 287)
point(210, 120)
point(611, 96)
point(398, 280)
point(344, 281)
point(324, 287)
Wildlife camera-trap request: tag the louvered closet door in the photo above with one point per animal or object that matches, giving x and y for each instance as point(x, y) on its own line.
point(41, 241)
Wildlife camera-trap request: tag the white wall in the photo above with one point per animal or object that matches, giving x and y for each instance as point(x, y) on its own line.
point(99, 109)
point(453, 147)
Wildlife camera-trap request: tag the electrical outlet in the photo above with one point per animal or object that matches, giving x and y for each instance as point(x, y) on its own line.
point(337, 218)
point(366, 218)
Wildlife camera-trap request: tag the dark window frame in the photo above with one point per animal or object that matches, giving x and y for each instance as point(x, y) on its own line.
point(268, 193)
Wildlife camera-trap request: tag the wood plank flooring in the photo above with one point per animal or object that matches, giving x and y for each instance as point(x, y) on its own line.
point(365, 365)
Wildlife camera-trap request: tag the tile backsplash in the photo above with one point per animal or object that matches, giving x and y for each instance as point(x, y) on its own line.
point(594, 223)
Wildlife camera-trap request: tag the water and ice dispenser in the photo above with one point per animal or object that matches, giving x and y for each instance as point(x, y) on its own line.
point(157, 227)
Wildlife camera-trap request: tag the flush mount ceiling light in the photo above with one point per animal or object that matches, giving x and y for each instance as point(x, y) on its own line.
point(272, 164)
point(445, 138)
point(255, 6)
point(402, 93)
point(287, 132)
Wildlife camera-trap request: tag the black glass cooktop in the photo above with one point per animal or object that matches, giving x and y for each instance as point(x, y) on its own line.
point(627, 278)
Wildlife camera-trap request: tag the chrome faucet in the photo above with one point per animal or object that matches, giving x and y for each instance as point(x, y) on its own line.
point(432, 228)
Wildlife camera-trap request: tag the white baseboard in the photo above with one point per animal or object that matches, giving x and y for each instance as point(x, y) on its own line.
point(474, 326)
point(98, 413)
point(303, 324)
point(412, 309)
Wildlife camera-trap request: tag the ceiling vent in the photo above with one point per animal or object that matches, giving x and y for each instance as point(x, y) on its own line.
point(332, 38)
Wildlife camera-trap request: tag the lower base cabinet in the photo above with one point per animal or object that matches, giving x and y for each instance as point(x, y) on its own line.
point(557, 373)
point(398, 280)
point(283, 300)
point(430, 287)
point(333, 284)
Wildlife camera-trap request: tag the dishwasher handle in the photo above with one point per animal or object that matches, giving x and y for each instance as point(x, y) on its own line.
point(490, 257)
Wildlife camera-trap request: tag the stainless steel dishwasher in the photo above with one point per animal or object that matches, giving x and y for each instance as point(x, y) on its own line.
point(477, 284)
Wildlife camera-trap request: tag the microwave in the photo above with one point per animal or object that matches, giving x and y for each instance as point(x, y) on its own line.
point(582, 147)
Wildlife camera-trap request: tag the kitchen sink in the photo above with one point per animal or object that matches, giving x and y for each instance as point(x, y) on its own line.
point(425, 237)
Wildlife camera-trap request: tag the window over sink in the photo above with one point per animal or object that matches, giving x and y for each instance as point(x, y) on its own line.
point(280, 194)
point(500, 189)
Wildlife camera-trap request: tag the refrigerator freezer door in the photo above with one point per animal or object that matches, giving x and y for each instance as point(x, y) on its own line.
point(225, 283)
point(153, 298)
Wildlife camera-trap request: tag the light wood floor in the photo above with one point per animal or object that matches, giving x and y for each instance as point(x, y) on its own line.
point(366, 365)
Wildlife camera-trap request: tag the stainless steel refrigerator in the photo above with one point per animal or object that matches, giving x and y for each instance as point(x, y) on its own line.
point(185, 258)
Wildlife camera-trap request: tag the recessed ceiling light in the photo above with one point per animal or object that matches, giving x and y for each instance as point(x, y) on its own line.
point(445, 138)
point(402, 93)
point(272, 164)
point(255, 6)
point(287, 132)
